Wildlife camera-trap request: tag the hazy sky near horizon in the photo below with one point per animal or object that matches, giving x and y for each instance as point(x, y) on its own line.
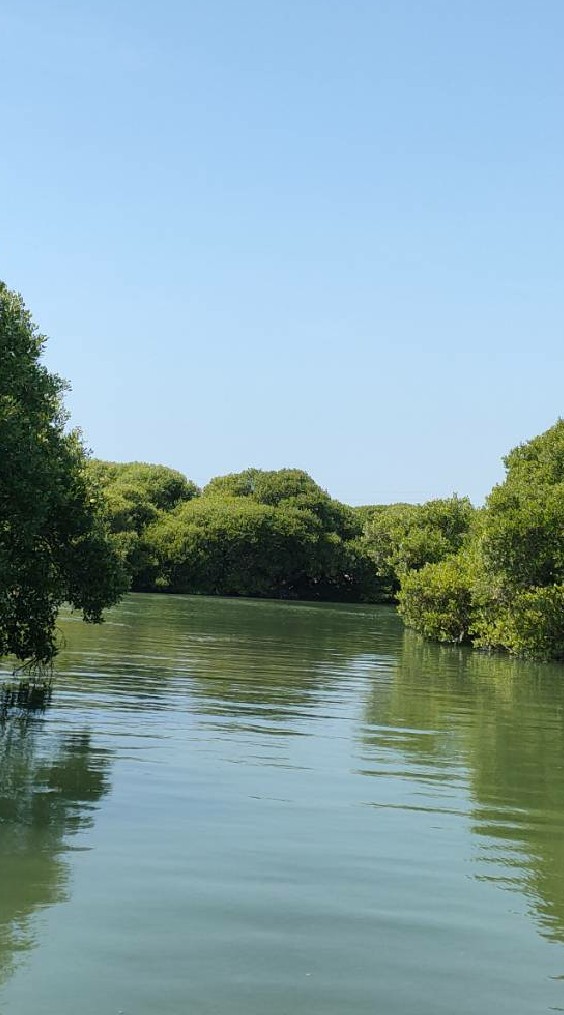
point(319, 233)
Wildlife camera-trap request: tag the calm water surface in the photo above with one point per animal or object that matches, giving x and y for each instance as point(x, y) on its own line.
point(246, 808)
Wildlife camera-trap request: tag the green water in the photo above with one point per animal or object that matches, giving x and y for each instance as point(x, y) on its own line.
point(246, 808)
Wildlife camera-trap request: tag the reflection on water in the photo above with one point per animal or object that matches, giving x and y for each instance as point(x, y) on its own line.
point(48, 791)
point(311, 809)
point(24, 697)
point(499, 723)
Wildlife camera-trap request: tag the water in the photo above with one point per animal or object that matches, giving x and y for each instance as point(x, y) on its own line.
point(240, 808)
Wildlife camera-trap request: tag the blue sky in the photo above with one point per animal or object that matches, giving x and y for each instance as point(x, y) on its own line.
point(318, 233)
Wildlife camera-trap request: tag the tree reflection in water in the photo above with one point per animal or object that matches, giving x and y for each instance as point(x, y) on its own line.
point(49, 788)
point(502, 722)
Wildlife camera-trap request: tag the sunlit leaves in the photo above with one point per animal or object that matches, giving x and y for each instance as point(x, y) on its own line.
point(53, 540)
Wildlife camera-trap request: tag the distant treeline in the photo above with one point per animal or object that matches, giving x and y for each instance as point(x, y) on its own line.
point(253, 533)
point(491, 577)
point(259, 533)
point(82, 531)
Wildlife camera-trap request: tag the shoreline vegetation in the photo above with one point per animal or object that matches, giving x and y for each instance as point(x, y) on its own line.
point(83, 531)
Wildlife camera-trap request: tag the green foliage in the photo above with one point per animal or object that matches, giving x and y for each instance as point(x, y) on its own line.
point(511, 595)
point(539, 461)
point(365, 512)
point(437, 600)
point(292, 488)
point(135, 494)
point(253, 533)
point(530, 624)
point(231, 546)
point(53, 541)
point(406, 537)
point(263, 534)
point(158, 485)
point(523, 533)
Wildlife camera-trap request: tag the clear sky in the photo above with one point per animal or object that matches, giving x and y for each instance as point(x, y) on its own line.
point(316, 233)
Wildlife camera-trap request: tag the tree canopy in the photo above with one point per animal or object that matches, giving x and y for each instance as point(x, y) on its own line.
point(254, 533)
point(54, 546)
point(505, 589)
point(270, 533)
point(405, 537)
point(292, 488)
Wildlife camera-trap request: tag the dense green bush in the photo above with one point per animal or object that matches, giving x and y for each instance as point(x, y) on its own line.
point(437, 600)
point(253, 533)
point(136, 494)
point(292, 488)
point(54, 544)
point(157, 485)
point(405, 537)
point(511, 594)
point(530, 624)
